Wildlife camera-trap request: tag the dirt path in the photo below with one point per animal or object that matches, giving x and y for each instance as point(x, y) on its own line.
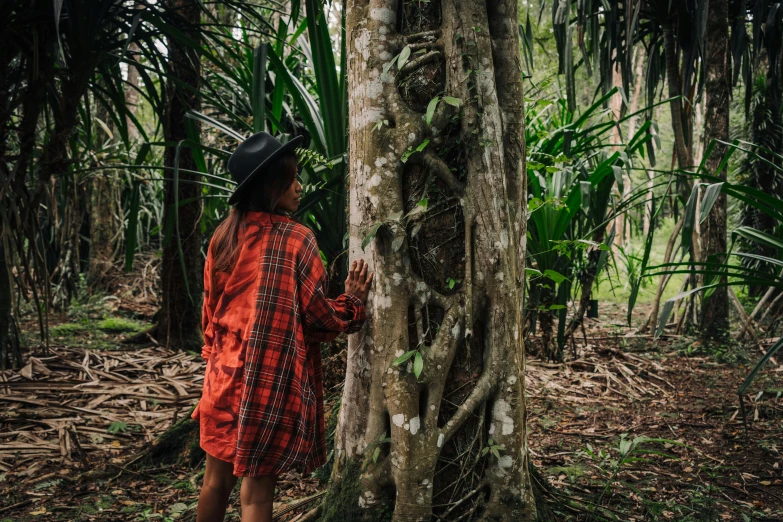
point(88, 410)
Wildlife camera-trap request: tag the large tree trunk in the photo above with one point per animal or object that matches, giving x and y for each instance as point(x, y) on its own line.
point(714, 324)
point(182, 276)
point(468, 332)
point(105, 219)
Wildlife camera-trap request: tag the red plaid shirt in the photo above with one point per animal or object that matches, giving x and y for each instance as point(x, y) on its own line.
point(262, 403)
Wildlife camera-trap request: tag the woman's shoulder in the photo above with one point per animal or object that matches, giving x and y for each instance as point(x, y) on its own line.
point(294, 231)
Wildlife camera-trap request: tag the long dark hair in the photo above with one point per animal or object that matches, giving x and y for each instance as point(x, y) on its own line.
point(262, 196)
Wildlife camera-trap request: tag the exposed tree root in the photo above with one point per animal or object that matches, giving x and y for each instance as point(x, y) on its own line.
point(180, 443)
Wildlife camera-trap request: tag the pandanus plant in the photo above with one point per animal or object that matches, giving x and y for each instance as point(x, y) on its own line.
point(736, 267)
point(572, 169)
point(59, 61)
point(247, 89)
point(266, 89)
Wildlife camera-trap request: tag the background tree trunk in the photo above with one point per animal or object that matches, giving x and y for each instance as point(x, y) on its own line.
point(714, 324)
point(10, 355)
point(616, 105)
point(105, 219)
point(132, 95)
point(19, 211)
point(131, 92)
point(682, 146)
point(182, 270)
point(466, 333)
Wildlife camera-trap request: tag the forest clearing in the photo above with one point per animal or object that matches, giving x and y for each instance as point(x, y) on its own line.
point(391, 260)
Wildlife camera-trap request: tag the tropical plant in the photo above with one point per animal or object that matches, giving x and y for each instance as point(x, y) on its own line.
point(629, 451)
point(687, 46)
point(250, 90)
point(55, 64)
point(764, 127)
point(571, 173)
point(734, 269)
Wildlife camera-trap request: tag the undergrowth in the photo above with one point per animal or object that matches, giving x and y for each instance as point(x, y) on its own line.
point(603, 486)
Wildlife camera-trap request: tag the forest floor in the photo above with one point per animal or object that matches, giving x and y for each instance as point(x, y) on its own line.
point(628, 428)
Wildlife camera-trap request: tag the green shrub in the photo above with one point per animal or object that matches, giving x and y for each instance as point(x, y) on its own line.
point(119, 325)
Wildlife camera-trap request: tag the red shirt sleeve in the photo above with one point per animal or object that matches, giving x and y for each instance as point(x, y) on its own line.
point(323, 318)
point(206, 309)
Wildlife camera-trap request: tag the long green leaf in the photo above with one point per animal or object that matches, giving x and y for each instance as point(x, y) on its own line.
point(306, 105)
point(259, 92)
point(668, 307)
point(194, 137)
point(130, 231)
point(279, 92)
point(708, 201)
point(214, 123)
point(690, 219)
point(328, 87)
point(760, 237)
point(637, 284)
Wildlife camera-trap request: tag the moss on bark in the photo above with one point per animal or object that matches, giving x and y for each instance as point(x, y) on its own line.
point(341, 503)
point(179, 444)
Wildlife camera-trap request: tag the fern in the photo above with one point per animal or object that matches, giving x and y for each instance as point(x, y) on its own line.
point(312, 158)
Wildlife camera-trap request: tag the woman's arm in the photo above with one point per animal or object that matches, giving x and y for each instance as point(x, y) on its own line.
point(324, 319)
point(328, 318)
point(206, 310)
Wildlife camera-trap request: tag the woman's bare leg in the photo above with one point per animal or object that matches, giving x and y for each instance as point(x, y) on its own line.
point(219, 480)
point(256, 495)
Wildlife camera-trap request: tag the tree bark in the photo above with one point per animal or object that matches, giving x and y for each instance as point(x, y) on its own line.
point(714, 321)
point(616, 105)
point(105, 219)
point(476, 338)
point(10, 355)
point(683, 149)
point(132, 95)
point(182, 272)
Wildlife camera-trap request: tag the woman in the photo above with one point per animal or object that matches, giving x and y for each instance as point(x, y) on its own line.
point(265, 312)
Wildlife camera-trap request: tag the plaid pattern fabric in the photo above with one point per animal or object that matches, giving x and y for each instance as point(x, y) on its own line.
point(262, 404)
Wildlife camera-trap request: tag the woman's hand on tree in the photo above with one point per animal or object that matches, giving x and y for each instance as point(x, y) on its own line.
point(359, 280)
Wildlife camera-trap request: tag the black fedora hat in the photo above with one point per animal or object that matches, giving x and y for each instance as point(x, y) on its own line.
point(252, 156)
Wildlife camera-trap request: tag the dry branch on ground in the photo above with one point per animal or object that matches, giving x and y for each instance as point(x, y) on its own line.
point(77, 404)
